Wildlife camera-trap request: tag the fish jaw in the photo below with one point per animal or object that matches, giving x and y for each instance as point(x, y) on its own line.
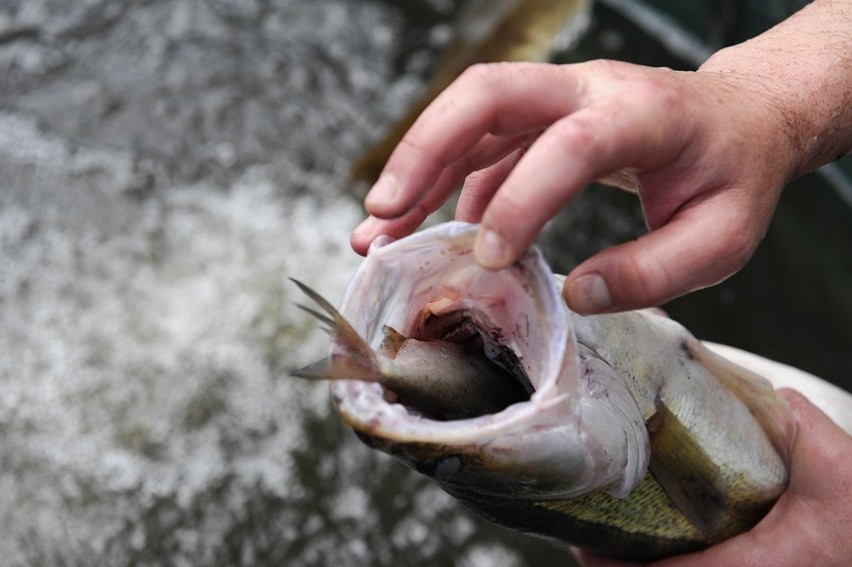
point(433, 273)
point(536, 448)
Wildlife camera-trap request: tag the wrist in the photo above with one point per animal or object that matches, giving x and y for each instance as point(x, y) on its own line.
point(800, 73)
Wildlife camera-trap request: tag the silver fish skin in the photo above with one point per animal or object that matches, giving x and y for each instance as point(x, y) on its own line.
point(637, 441)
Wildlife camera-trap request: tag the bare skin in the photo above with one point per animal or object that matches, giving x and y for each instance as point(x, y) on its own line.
point(711, 149)
point(810, 524)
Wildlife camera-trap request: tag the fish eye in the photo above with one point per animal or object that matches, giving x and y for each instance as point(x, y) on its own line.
point(442, 468)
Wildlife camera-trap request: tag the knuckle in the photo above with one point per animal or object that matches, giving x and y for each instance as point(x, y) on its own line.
point(411, 142)
point(603, 66)
point(578, 136)
point(511, 217)
point(481, 75)
point(665, 96)
point(648, 87)
point(474, 183)
point(493, 78)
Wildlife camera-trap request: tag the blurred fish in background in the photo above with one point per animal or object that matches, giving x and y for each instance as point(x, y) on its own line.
point(487, 31)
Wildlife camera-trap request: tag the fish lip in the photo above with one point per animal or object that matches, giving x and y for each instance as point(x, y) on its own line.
point(392, 422)
point(396, 282)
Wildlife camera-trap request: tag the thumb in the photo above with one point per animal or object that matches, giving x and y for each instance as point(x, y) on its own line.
point(697, 248)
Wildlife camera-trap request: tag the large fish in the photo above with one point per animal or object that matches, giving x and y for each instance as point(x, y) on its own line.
point(621, 433)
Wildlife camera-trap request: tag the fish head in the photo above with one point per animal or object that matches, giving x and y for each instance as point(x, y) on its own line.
point(534, 447)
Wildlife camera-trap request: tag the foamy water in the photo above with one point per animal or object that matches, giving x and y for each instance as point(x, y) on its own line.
point(146, 343)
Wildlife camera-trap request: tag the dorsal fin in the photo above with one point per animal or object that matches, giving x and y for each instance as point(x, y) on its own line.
point(392, 342)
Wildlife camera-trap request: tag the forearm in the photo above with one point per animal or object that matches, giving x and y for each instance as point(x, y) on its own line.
point(802, 69)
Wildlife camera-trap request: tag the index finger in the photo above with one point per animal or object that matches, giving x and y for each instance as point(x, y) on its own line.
point(498, 98)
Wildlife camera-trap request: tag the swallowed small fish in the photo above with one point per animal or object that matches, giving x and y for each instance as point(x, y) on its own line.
point(442, 378)
point(621, 433)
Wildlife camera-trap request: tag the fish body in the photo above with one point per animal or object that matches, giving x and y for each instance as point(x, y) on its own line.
point(629, 436)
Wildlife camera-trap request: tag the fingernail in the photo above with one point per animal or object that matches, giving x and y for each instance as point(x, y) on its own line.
point(383, 192)
point(490, 250)
point(589, 294)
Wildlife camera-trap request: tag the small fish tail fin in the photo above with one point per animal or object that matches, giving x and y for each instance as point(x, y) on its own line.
point(319, 370)
point(352, 359)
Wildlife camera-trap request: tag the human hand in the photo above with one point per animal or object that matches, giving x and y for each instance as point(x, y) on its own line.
point(705, 152)
point(811, 522)
point(711, 151)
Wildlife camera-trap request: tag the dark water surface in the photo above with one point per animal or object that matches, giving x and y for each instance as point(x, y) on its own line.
point(164, 166)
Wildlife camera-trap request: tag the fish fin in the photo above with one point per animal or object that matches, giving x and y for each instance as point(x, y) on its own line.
point(706, 495)
point(392, 342)
point(352, 357)
point(327, 320)
point(681, 468)
point(319, 370)
point(343, 330)
point(769, 409)
point(338, 368)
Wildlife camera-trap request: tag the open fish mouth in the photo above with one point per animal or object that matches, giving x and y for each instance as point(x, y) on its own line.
point(429, 286)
